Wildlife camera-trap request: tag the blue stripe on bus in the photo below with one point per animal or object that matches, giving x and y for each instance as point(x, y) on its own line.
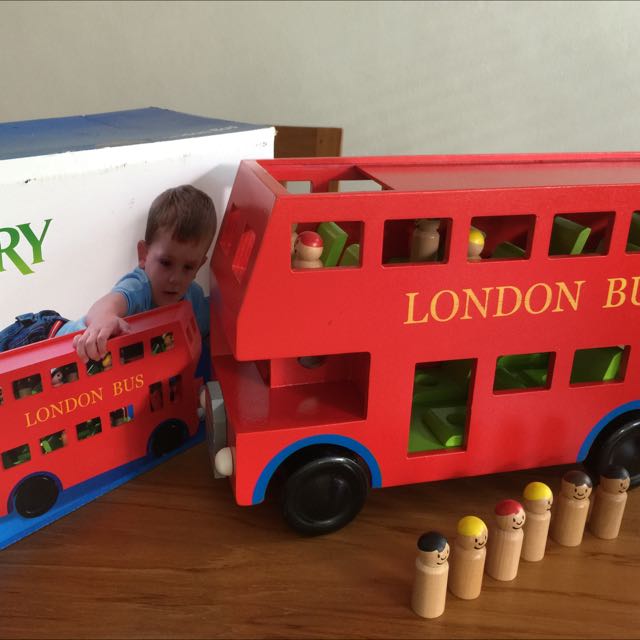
point(601, 424)
point(348, 443)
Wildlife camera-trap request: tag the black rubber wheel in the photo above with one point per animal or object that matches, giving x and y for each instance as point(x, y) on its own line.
point(35, 496)
point(168, 437)
point(620, 447)
point(325, 494)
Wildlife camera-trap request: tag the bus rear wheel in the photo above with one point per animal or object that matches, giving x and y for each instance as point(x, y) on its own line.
point(620, 447)
point(325, 494)
point(35, 496)
point(167, 437)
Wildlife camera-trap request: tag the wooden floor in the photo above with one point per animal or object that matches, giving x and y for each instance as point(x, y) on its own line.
point(171, 555)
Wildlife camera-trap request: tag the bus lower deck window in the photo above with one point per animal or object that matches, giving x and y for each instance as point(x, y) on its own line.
point(89, 428)
point(50, 443)
point(14, 457)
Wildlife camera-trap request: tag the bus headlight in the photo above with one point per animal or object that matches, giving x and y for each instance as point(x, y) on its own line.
point(224, 462)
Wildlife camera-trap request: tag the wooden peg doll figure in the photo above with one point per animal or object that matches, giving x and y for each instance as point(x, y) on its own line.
point(307, 250)
point(468, 558)
point(432, 571)
point(570, 515)
point(57, 377)
point(476, 244)
point(609, 502)
point(425, 240)
point(503, 553)
point(538, 499)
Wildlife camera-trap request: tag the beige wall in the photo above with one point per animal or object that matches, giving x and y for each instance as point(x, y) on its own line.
point(399, 77)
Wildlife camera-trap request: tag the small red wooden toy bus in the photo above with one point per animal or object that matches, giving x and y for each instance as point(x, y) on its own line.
point(65, 422)
point(472, 315)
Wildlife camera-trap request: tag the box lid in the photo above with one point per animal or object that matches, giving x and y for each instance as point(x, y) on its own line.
point(115, 129)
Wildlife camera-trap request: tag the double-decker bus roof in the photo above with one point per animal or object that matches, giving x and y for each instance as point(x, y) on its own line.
point(452, 173)
point(41, 351)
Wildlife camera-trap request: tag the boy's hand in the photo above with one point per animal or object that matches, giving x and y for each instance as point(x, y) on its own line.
point(92, 344)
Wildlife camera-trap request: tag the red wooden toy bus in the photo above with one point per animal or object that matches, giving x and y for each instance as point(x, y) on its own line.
point(65, 422)
point(473, 314)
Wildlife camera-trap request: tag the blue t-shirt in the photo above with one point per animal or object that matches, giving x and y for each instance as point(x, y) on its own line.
point(136, 288)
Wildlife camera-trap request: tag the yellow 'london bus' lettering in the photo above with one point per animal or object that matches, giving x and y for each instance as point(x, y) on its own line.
point(496, 302)
point(62, 407)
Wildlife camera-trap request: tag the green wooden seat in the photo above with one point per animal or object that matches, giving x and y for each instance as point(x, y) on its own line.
point(420, 436)
point(521, 371)
point(506, 250)
point(351, 256)
point(334, 237)
point(596, 365)
point(447, 424)
point(568, 238)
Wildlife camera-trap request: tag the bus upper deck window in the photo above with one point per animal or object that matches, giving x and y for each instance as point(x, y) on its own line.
point(29, 386)
point(326, 244)
point(160, 344)
point(416, 241)
point(98, 366)
point(64, 374)
point(1, 396)
point(506, 237)
point(633, 239)
point(583, 234)
point(131, 352)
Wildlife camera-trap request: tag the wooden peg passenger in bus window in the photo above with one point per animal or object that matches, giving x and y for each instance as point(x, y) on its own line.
point(57, 377)
point(476, 244)
point(307, 251)
point(570, 516)
point(432, 571)
point(167, 339)
point(503, 553)
point(538, 499)
point(610, 500)
point(468, 558)
point(425, 240)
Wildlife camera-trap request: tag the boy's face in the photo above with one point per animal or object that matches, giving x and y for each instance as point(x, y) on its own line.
point(170, 265)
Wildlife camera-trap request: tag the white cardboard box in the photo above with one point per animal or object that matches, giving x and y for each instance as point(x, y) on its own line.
point(75, 192)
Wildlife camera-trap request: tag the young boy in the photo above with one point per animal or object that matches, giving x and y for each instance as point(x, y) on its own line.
point(180, 228)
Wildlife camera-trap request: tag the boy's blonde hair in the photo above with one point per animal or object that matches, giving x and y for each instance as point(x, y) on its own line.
point(188, 213)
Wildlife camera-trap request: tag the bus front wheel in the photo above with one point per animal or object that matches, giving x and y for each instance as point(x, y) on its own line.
point(324, 494)
point(619, 447)
point(35, 496)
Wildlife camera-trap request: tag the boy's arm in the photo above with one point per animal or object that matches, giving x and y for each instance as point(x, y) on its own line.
point(103, 321)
